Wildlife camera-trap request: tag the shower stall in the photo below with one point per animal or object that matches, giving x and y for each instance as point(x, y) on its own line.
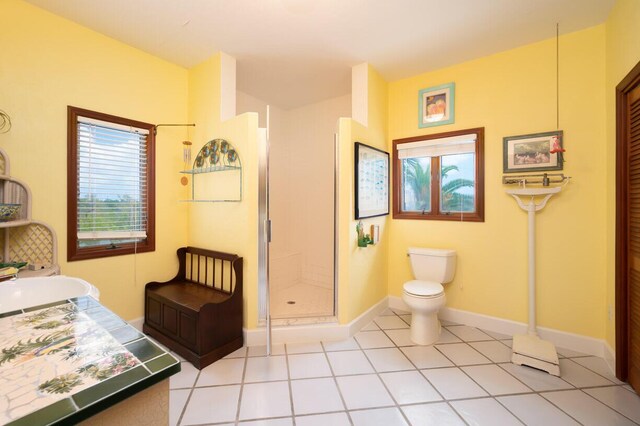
point(297, 197)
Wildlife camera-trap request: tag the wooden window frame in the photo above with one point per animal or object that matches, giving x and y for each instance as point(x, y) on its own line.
point(73, 251)
point(435, 214)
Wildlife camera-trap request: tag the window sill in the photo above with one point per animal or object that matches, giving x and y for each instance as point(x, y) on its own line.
point(454, 217)
point(100, 252)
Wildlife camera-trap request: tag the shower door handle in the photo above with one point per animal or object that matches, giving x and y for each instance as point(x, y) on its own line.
point(268, 228)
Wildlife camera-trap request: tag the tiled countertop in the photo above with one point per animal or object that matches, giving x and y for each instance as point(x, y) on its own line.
point(65, 361)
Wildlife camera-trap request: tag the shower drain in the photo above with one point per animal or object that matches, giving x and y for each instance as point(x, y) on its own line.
point(291, 302)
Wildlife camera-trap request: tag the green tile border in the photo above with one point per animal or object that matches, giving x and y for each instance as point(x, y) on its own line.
point(160, 363)
point(125, 335)
point(121, 395)
point(103, 395)
point(46, 305)
point(108, 387)
point(10, 314)
point(144, 350)
point(47, 415)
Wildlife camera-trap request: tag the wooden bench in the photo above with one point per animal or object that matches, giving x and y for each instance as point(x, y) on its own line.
point(198, 314)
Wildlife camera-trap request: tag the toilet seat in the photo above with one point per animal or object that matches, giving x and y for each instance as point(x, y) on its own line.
point(423, 289)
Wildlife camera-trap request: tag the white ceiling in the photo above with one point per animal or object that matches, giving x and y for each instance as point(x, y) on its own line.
point(295, 52)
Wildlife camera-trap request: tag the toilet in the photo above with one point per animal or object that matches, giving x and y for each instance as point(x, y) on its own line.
point(425, 295)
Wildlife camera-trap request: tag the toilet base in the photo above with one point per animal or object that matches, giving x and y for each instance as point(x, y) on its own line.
point(425, 328)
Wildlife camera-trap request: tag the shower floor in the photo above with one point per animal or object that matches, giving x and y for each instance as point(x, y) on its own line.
point(310, 301)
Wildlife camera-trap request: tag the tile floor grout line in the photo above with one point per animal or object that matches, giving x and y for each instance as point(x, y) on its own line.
point(335, 380)
point(518, 379)
point(593, 371)
point(455, 365)
point(244, 373)
point(541, 394)
point(286, 360)
point(509, 411)
point(396, 404)
point(427, 379)
point(471, 378)
point(607, 405)
point(503, 369)
point(186, 403)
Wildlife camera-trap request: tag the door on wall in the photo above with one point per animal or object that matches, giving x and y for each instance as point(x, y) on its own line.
point(628, 229)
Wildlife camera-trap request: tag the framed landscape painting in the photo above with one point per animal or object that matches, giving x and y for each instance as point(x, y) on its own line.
point(531, 153)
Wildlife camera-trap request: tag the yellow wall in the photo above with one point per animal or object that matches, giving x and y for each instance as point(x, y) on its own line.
point(623, 53)
point(362, 271)
point(49, 63)
point(513, 93)
point(227, 227)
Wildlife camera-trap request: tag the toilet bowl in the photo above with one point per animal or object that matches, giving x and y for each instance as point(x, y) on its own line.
point(424, 298)
point(425, 295)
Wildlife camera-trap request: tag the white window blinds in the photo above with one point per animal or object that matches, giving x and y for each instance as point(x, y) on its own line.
point(112, 182)
point(462, 144)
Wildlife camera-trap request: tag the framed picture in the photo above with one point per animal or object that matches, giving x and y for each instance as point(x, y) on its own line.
point(436, 105)
point(371, 181)
point(531, 153)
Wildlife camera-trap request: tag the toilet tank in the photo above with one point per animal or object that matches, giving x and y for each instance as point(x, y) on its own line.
point(433, 264)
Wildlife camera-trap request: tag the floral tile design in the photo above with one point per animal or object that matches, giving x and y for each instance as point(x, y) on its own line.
point(52, 353)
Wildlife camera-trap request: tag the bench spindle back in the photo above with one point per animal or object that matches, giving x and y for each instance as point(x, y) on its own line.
point(211, 269)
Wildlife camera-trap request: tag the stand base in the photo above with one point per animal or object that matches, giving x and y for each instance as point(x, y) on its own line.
point(532, 351)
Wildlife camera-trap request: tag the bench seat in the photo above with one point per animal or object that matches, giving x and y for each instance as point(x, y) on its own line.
point(198, 314)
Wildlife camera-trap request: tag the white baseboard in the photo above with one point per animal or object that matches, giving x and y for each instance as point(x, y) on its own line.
point(610, 357)
point(575, 342)
point(334, 331)
point(137, 323)
point(314, 332)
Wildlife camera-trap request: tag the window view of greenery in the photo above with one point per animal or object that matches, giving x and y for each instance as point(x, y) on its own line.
point(111, 181)
point(113, 213)
point(457, 176)
point(416, 179)
point(458, 183)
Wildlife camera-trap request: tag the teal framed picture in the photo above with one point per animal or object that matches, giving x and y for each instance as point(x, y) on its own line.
point(436, 105)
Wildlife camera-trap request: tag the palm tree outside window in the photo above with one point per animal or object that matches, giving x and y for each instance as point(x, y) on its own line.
point(440, 176)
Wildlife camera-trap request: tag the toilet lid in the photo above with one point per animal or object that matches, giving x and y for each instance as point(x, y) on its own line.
point(423, 288)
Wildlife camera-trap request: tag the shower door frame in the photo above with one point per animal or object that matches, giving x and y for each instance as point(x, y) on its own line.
point(264, 232)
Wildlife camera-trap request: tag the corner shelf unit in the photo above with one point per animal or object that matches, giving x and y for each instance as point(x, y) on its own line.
point(215, 156)
point(24, 239)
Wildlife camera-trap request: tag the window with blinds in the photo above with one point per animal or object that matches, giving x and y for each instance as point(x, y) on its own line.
point(440, 176)
point(110, 185)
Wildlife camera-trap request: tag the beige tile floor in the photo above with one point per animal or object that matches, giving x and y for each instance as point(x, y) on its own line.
point(380, 378)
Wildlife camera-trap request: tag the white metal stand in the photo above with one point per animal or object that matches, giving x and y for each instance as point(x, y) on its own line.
point(529, 349)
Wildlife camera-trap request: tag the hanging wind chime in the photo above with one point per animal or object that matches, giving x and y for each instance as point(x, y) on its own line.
point(186, 159)
point(186, 148)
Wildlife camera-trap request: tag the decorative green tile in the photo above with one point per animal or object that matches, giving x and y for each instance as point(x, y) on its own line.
point(47, 305)
point(46, 415)
point(10, 314)
point(161, 363)
point(144, 350)
point(126, 334)
point(109, 386)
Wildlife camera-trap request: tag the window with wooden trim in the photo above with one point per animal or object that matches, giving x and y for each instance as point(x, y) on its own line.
point(110, 185)
point(440, 176)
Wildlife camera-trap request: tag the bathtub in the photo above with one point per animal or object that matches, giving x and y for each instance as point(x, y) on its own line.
point(27, 292)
